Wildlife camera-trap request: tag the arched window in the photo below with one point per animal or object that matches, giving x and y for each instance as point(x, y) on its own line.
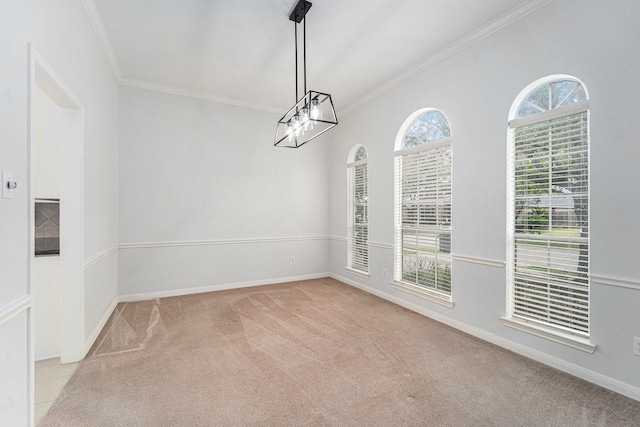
point(548, 210)
point(358, 219)
point(423, 169)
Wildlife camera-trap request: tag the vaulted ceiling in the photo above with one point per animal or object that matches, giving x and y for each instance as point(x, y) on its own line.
point(242, 51)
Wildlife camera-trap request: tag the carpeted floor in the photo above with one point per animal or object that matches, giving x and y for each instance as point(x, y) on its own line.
point(313, 353)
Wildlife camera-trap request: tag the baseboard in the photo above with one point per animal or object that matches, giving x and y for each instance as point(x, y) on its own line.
point(223, 287)
point(51, 356)
point(103, 321)
point(554, 362)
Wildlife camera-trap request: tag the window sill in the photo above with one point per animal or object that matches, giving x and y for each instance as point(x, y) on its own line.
point(424, 293)
point(357, 272)
point(550, 334)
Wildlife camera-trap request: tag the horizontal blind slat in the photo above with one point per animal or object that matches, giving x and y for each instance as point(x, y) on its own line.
point(550, 176)
point(424, 180)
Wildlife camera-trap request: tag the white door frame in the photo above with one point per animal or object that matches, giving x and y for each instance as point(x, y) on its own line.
point(72, 317)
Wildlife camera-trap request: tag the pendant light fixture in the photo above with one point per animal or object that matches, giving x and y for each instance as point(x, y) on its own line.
point(313, 114)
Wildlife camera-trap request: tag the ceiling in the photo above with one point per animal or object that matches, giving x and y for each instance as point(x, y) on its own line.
point(242, 51)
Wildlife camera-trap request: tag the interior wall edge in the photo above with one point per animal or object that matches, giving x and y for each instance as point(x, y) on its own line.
point(197, 94)
point(101, 33)
point(103, 321)
point(101, 288)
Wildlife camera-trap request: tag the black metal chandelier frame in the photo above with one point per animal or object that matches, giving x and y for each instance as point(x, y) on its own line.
point(314, 113)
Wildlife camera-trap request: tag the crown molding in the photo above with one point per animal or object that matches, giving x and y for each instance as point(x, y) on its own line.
point(98, 26)
point(461, 44)
point(458, 46)
point(101, 32)
point(199, 94)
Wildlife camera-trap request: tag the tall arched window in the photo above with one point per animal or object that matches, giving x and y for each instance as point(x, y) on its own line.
point(548, 211)
point(423, 169)
point(358, 219)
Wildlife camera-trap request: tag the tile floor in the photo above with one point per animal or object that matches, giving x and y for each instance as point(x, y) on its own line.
point(50, 379)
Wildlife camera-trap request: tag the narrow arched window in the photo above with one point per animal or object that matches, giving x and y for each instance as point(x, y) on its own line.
point(423, 187)
point(548, 210)
point(358, 219)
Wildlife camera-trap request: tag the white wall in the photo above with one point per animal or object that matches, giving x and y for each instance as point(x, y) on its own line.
point(206, 200)
point(45, 283)
point(15, 352)
point(15, 361)
point(45, 278)
point(46, 152)
point(63, 35)
point(590, 40)
point(61, 32)
point(13, 151)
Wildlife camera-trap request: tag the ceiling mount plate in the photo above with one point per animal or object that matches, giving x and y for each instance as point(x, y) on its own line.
point(301, 9)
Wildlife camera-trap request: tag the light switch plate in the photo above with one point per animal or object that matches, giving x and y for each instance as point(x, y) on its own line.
point(7, 192)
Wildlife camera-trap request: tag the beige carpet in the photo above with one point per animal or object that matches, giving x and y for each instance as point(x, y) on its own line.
point(313, 353)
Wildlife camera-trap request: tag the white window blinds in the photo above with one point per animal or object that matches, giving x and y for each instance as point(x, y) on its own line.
point(358, 238)
point(423, 231)
point(549, 218)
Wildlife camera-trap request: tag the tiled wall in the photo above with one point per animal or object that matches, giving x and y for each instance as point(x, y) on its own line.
point(47, 227)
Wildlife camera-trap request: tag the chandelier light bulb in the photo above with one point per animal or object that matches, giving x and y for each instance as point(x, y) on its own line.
point(315, 109)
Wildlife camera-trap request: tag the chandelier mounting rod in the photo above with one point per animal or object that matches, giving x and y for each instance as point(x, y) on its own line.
point(298, 15)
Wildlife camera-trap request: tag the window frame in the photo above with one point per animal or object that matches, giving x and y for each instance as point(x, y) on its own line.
point(551, 330)
point(427, 147)
point(357, 169)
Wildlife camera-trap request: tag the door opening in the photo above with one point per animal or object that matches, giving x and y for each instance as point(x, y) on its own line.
point(56, 153)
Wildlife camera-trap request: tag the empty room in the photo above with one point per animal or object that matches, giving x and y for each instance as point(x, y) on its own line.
point(319, 213)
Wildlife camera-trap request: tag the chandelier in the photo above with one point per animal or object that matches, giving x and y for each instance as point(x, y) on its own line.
point(313, 114)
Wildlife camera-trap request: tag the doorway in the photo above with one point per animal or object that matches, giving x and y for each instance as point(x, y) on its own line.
point(56, 172)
